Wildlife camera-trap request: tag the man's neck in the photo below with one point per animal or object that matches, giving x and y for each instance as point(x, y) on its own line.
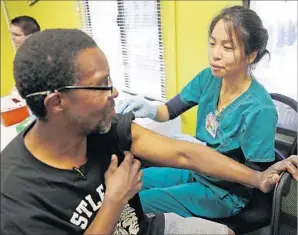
point(57, 146)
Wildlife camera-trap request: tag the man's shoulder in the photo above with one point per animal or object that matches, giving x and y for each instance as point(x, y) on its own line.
point(12, 161)
point(12, 179)
point(13, 151)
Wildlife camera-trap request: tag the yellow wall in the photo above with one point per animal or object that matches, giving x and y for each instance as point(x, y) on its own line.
point(185, 33)
point(49, 14)
point(7, 55)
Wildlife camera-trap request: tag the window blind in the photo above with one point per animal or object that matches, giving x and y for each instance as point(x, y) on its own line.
point(129, 33)
point(142, 47)
point(83, 11)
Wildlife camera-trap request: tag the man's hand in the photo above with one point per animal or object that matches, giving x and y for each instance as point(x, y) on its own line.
point(271, 176)
point(123, 182)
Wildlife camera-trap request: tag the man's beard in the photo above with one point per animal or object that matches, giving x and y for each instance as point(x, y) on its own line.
point(102, 127)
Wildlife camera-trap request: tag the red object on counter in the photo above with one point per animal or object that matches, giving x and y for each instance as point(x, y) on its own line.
point(13, 110)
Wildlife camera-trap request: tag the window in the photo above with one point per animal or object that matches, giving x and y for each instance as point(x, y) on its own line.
point(279, 74)
point(129, 33)
point(83, 9)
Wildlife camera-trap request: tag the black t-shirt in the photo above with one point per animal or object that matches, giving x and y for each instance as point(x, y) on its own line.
point(39, 199)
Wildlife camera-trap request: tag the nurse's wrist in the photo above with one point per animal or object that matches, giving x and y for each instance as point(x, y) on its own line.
point(153, 112)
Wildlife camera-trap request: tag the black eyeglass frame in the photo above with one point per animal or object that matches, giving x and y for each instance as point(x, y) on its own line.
point(64, 88)
point(100, 88)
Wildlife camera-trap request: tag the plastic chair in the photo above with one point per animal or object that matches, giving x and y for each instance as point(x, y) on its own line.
point(284, 212)
point(286, 133)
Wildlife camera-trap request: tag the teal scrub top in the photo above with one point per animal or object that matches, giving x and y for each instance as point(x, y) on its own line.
point(248, 123)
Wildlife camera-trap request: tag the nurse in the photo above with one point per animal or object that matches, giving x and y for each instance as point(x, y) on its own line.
point(236, 117)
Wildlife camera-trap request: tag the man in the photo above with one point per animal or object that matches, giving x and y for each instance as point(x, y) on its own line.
point(70, 172)
point(21, 28)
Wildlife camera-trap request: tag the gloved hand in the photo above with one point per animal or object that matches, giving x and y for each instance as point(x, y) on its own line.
point(139, 107)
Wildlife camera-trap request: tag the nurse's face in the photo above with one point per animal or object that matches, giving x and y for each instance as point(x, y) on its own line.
point(226, 55)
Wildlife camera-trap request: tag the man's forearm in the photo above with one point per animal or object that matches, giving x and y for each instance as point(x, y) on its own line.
point(106, 219)
point(207, 161)
point(169, 152)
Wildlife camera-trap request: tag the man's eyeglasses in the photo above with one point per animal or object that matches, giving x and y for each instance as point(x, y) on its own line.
point(65, 88)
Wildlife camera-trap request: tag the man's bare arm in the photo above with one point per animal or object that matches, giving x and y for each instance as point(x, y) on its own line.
point(165, 151)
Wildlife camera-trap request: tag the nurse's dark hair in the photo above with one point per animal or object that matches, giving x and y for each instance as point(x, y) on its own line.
point(47, 61)
point(248, 28)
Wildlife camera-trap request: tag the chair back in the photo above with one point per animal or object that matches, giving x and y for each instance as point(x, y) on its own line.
point(286, 132)
point(284, 209)
point(256, 214)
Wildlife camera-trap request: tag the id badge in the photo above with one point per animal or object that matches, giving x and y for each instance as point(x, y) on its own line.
point(211, 124)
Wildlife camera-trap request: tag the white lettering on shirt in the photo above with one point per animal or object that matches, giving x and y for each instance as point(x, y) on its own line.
point(127, 224)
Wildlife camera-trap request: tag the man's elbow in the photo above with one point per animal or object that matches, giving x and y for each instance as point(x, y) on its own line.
point(184, 160)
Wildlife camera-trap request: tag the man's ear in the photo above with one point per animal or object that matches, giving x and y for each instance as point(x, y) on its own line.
point(252, 57)
point(54, 102)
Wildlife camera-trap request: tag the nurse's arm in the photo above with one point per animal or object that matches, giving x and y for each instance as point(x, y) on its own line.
point(164, 151)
